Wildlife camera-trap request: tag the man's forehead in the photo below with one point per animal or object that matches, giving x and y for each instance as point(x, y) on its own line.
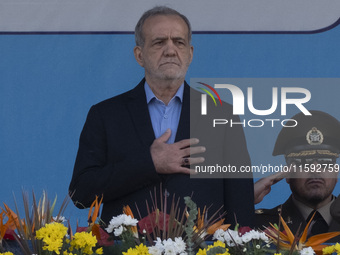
point(162, 25)
point(165, 17)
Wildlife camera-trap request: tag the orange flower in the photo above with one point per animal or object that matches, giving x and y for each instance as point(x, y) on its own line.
point(95, 206)
point(3, 226)
point(127, 210)
point(202, 223)
point(13, 220)
point(289, 241)
point(101, 235)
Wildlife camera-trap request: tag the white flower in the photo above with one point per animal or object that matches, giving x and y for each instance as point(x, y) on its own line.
point(159, 244)
point(169, 250)
point(153, 250)
point(118, 231)
point(263, 237)
point(129, 221)
point(179, 245)
point(247, 237)
point(167, 242)
point(255, 235)
point(109, 229)
point(120, 220)
point(169, 247)
point(115, 222)
point(258, 246)
point(307, 251)
point(231, 237)
point(59, 219)
point(219, 235)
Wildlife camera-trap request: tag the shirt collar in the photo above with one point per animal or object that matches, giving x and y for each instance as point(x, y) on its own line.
point(324, 211)
point(150, 95)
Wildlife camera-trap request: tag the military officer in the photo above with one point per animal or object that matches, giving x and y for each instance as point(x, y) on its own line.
point(310, 149)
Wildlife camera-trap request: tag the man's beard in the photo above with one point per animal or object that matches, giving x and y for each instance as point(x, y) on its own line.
point(316, 199)
point(312, 197)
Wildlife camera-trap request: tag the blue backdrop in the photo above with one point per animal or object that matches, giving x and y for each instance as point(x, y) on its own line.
point(48, 82)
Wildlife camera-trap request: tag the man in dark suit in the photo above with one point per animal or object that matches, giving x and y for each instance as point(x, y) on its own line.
point(311, 149)
point(136, 141)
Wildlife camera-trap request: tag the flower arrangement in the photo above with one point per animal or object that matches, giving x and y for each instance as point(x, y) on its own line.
point(299, 243)
point(54, 237)
point(40, 233)
point(244, 241)
point(159, 233)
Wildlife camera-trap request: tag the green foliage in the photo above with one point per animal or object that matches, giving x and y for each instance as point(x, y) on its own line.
point(216, 250)
point(189, 228)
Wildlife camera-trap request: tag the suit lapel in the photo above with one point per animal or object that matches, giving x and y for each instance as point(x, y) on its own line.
point(139, 112)
point(183, 130)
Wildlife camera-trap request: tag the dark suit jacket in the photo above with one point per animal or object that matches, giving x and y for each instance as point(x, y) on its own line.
point(291, 215)
point(114, 159)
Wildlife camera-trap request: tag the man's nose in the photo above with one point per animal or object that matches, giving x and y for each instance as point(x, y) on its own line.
point(170, 49)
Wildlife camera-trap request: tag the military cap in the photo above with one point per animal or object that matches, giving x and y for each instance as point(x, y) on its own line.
point(313, 135)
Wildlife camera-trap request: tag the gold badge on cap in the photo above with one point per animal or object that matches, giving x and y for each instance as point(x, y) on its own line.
point(314, 136)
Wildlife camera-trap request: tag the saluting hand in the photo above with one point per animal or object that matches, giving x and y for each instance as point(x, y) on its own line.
point(263, 186)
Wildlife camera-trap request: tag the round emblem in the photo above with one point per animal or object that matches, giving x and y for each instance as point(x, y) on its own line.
point(314, 136)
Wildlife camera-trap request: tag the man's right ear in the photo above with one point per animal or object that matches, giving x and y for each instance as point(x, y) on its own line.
point(137, 51)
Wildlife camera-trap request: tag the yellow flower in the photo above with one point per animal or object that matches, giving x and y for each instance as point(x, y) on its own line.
point(99, 251)
point(83, 241)
point(277, 253)
point(216, 244)
point(138, 250)
point(328, 250)
point(202, 252)
point(52, 235)
point(131, 251)
point(6, 253)
point(67, 253)
point(337, 247)
point(331, 249)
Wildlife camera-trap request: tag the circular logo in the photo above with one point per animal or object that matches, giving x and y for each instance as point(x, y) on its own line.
point(314, 136)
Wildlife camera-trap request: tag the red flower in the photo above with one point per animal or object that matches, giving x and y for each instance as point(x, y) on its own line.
point(9, 235)
point(152, 221)
point(243, 230)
